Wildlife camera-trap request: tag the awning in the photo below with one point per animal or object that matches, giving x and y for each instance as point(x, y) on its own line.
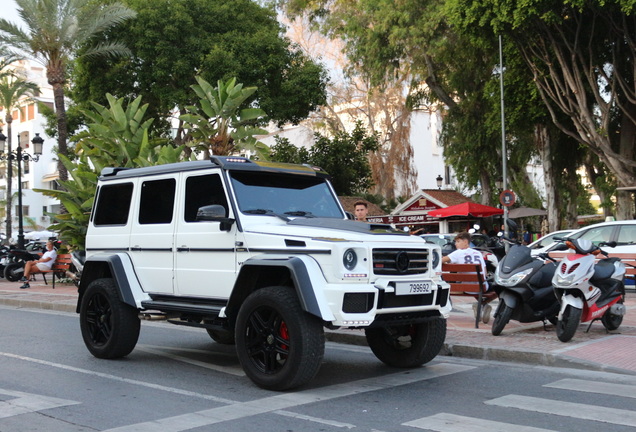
point(522, 212)
point(50, 177)
point(466, 209)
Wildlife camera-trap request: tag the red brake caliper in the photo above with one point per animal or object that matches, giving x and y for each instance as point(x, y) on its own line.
point(284, 333)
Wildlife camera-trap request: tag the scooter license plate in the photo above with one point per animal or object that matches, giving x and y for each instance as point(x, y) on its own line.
point(414, 287)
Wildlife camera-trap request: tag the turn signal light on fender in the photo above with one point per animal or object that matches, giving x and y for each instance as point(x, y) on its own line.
point(590, 288)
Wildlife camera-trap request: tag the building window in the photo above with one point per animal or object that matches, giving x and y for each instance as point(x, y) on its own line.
point(26, 166)
point(25, 185)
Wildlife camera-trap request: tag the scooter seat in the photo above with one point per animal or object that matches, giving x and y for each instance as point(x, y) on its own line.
point(603, 270)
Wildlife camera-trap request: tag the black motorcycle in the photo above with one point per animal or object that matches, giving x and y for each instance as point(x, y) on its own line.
point(524, 286)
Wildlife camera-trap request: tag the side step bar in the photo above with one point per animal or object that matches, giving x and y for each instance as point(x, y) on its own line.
point(183, 307)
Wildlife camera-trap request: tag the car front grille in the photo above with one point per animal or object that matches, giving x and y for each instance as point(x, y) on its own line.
point(400, 261)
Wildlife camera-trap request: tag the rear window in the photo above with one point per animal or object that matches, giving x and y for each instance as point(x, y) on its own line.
point(113, 204)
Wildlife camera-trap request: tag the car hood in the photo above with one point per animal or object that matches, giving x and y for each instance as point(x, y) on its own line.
point(341, 229)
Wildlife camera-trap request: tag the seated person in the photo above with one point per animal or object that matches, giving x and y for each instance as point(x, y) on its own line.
point(45, 263)
point(465, 255)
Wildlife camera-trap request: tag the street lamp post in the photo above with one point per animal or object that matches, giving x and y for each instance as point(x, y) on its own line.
point(18, 155)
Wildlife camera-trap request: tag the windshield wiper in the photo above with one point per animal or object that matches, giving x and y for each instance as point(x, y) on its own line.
point(266, 212)
point(301, 213)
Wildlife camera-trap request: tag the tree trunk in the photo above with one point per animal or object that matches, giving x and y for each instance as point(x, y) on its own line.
point(571, 216)
point(544, 146)
point(486, 190)
point(627, 141)
point(62, 132)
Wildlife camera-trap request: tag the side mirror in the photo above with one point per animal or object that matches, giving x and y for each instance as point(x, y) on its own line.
point(215, 213)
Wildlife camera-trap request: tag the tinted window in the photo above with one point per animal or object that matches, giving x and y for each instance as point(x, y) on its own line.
point(157, 201)
point(284, 194)
point(202, 191)
point(113, 204)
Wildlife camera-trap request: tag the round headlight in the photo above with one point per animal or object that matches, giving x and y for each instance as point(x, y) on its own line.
point(350, 259)
point(435, 258)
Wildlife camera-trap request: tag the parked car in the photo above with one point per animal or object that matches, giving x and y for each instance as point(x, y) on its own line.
point(622, 232)
point(541, 245)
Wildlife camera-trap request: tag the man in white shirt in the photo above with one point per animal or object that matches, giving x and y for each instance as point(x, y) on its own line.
point(45, 263)
point(466, 255)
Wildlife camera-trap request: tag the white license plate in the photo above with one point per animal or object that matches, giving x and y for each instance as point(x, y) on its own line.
point(413, 288)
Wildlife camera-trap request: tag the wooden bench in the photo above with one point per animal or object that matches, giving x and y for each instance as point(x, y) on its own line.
point(61, 265)
point(468, 280)
point(628, 258)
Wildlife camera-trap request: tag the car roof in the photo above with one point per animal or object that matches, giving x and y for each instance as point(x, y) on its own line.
point(229, 163)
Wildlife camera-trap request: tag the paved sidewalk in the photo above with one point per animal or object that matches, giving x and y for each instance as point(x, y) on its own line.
point(526, 343)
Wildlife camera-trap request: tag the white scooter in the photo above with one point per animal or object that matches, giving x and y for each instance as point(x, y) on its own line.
point(588, 290)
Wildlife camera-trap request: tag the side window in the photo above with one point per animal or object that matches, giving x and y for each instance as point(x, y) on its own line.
point(598, 235)
point(157, 201)
point(627, 234)
point(201, 191)
point(113, 204)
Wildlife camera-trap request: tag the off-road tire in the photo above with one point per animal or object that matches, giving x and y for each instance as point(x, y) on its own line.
point(110, 328)
point(611, 321)
point(14, 271)
point(502, 317)
point(407, 346)
point(279, 345)
point(569, 322)
point(222, 337)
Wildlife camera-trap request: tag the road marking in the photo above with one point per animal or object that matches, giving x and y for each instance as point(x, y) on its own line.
point(120, 379)
point(232, 370)
point(621, 390)
point(445, 422)
point(567, 409)
point(315, 419)
point(25, 403)
point(288, 400)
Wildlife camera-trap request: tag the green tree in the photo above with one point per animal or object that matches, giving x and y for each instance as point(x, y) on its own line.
point(13, 91)
point(581, 54)
point(116, 135)
point(54, 31)
point(218, 125)
point(345, 157)
point(174, 40)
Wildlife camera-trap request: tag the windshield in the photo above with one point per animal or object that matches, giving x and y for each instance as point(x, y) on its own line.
point(289, 195)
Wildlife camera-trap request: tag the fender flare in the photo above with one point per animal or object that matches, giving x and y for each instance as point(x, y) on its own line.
point(117, 266)
point(308, 290)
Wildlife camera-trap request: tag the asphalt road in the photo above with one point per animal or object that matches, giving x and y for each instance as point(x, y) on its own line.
point(178, 379)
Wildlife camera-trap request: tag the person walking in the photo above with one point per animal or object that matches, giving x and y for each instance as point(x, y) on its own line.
point(45, 263)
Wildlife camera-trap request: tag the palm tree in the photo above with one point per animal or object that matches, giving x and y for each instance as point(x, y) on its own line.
point(55, 30)
point(13, 90)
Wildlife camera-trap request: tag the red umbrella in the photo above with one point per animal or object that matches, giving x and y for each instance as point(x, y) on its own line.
point(466, 209)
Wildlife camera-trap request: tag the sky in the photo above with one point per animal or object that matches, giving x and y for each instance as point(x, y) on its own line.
point(9, 10)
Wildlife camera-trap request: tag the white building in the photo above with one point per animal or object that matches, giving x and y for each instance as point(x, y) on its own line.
point(27, 122)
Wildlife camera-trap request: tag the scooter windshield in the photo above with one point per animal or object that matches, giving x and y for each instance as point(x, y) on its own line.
point(517, 256)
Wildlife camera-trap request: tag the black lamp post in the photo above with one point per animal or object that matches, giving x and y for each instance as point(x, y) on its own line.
point(37, 142)
point(439, 181)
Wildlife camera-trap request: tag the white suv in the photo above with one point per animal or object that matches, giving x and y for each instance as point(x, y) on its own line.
point(260, 255)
